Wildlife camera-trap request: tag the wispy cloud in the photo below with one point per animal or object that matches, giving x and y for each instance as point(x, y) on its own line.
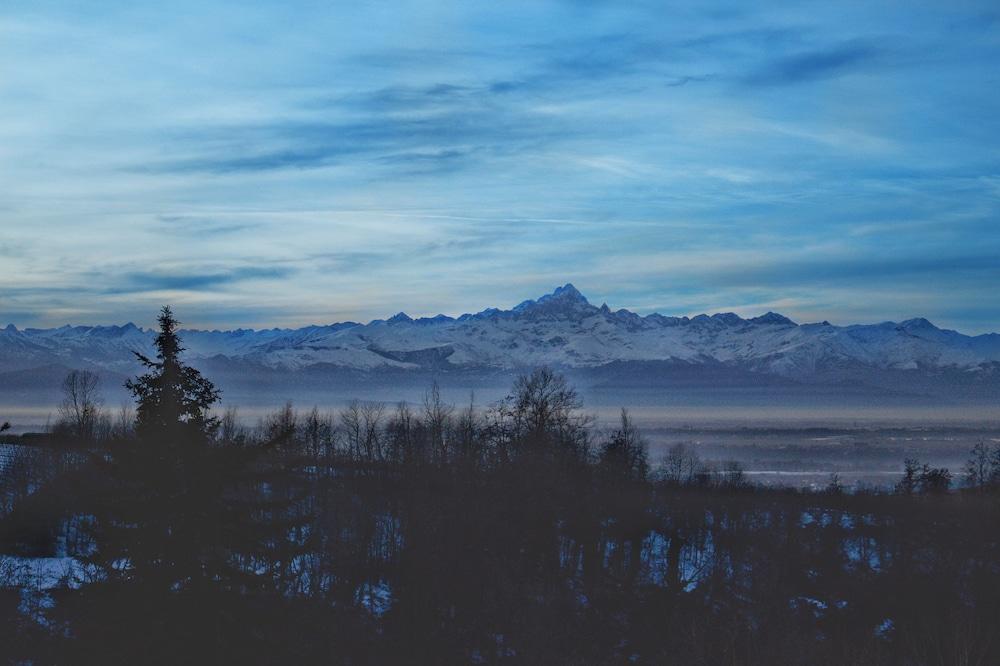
point(386, 138)
point(192, 280)
point(816, 64)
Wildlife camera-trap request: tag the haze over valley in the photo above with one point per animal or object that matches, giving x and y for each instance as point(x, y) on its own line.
point(709, 361)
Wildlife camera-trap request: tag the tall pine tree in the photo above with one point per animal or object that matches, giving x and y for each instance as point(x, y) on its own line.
point(173, 399)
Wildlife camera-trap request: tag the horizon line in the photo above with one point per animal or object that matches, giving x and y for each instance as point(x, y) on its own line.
point(567, 287)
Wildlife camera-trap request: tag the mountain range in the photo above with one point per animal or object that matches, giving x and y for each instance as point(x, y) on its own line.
point(561, 329)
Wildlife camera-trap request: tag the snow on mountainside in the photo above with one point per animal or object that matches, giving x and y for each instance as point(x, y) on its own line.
point(560, 329)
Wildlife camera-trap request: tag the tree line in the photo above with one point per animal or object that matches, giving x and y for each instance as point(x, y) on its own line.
point(435, 533)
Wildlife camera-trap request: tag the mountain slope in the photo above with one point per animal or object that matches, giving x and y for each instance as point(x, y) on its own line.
point(561, 329)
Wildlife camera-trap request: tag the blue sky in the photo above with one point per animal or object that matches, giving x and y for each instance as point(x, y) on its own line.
point(285, 163)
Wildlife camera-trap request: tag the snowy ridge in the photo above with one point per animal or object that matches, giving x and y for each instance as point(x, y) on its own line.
point(560, 329)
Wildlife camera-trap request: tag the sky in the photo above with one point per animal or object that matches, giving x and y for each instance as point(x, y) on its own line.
point(288, 163)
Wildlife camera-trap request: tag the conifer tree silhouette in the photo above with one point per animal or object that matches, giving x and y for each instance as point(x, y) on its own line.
point(173, 399)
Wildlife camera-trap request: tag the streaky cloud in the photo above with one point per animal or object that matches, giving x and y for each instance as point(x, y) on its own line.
point(193, 281)
point(815, 65)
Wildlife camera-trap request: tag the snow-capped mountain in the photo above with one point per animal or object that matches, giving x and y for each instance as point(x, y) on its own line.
point(559, 329)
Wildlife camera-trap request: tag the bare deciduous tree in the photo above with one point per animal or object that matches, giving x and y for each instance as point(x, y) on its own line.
point(982, 468)
point(544, 408)
point(282, 426)
point(81, 406)
point(681, 464)
point(230, 430)
point(361, 425)
point(437, 418)
point(317, 431)
point(372, 413)
point(400, 432)
point(125, 421)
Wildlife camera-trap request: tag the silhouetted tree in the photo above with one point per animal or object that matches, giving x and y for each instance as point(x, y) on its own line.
point(437, 419)
point(542, 414)
point(681, 464)
point(922, 478)
point(317, 432)
point(625, 454)
point(281, 428)
point(732, 475)
point(230, 430)
point(402, 434)
point(80, 409)
point(467, 426)
point(544, 400)
point(910, 481)
point(934, 479)
point(173, 398)
point(979, 467)
point(124, 426)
